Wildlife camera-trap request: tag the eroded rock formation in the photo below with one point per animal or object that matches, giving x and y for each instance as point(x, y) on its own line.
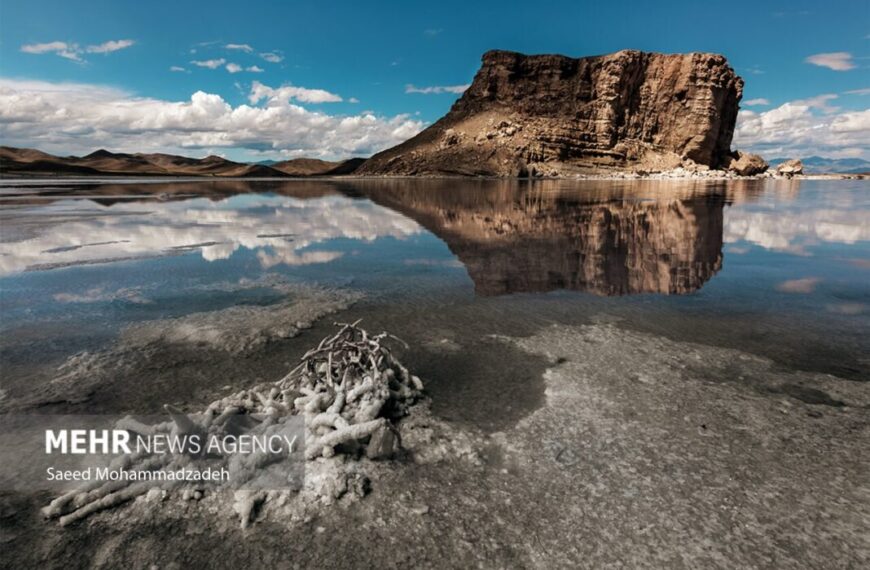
point(790, 167)
point(745, 164)
point(552, 114)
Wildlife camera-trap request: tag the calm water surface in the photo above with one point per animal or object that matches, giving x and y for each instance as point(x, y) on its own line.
point(777, 268)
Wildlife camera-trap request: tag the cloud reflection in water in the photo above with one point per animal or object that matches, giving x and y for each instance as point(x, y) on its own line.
point(280, 229)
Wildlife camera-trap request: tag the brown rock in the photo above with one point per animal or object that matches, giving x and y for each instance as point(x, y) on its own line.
point(746, 164)
point(383, 443)
point(626, 110)
point(790, 167)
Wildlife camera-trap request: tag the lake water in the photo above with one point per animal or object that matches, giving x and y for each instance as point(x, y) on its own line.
point(776, 268)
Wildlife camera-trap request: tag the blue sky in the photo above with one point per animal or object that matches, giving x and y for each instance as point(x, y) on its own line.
point(368, 55)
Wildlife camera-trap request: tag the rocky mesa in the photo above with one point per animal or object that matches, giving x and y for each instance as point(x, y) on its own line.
point(557, 115)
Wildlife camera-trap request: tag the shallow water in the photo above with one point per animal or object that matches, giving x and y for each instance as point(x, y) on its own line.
point(777, 268)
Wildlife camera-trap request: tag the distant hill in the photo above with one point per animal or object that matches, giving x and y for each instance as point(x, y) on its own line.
point(349, 166)
point(31, 162)
point(20, 161)
point(820, 165)
point(317, 167)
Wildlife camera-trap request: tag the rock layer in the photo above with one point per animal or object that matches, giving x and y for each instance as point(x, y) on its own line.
point(552, 114)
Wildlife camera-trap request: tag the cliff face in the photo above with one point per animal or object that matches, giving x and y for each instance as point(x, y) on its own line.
point(557, 115)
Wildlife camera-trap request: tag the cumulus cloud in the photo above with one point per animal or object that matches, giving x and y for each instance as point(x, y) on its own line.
point(838, 60)
point(76, 118)
point(240, 47)
point(819, 102)
point(436, 89)
point(72, 51)
point(756, 102)
point(177, 69)
point(272, 57)
point(803, 128)
point(288, 92)
point(236, 68)
point(110, 46)
point(209, 63)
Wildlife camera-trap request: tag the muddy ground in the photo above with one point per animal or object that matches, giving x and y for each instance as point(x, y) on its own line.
point(641, 452)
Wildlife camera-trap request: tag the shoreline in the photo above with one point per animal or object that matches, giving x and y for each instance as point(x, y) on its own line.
point(677, 174)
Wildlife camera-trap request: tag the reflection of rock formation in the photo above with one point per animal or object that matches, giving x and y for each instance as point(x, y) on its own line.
point(605, 237)
point(517, 238)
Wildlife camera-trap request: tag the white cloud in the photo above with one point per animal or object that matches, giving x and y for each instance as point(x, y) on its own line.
point(63, 49)
point(75, 118)
point(45, 48)
point(353, 100)
point(234, 67)
point(838, 60)
point(110, 46)
point(432, 32)
point(254, 69)
point(803, 128)
point(436, 89)
point(177, 69)
point(72, 51)
point(209, 63)
point(819, 102)
point(286, 93)
point(756, 102)
point(240, 47)
point(865, 91)
point(272, 57)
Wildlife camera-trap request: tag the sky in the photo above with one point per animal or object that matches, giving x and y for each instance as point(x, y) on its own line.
point(274, 80)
